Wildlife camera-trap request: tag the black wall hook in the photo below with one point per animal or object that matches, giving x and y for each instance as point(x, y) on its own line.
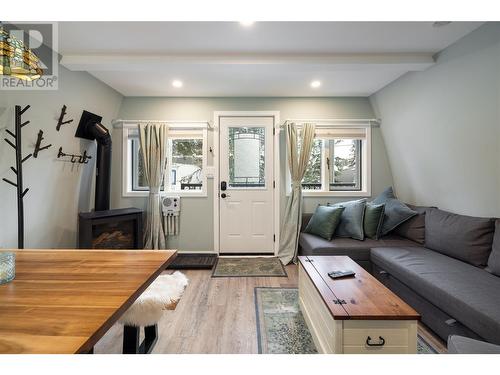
point(61, 118)
point(81, 159)
point(38, 144)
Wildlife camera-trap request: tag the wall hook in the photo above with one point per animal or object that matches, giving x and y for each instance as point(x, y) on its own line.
point(81, 159)
point(61, 118)
point(38, 143)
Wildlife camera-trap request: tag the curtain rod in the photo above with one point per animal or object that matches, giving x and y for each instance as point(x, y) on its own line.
point(116, 122)
point(346, 122)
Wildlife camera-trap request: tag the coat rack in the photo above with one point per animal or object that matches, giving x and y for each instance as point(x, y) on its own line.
point(81, 159)
point(61, 118)
point(38, 147)
point(18, 171)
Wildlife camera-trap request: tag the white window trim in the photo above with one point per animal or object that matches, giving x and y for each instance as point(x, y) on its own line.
point(366, 172)
point(184, 130)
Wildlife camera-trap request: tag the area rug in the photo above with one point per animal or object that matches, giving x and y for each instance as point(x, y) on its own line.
point(281, 328)
point(249, 267)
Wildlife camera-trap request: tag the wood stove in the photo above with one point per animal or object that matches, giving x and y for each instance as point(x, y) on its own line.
point(110, 229)
point(105, 228)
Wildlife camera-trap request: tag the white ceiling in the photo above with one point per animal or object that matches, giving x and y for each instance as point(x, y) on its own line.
point(266, 59)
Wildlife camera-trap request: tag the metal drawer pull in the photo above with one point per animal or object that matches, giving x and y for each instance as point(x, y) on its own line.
point(380, 343)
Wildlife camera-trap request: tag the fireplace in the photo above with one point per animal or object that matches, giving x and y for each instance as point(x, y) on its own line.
point(110, 229)
point(105, 228)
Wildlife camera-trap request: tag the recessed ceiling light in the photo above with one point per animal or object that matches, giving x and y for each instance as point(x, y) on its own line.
point(177, 83)
point(247, 23)
point(315, 84)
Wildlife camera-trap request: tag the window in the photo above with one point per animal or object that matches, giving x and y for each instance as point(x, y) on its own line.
point(344, 164)
point(339, 164)
point(247, 156)
point(312, 177)
point(186, 163)
point(186, 166)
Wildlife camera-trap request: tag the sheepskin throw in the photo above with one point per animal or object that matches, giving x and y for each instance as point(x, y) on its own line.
point(163, 294)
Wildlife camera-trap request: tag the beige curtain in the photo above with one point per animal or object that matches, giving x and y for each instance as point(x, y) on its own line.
point(297, 163)
point(153, 141)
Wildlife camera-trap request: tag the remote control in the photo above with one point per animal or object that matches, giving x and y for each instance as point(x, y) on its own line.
point(341, 274)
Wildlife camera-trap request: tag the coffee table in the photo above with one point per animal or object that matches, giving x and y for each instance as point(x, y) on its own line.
point(356, 315)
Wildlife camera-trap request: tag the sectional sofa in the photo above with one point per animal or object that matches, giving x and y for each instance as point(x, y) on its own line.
point(446, 266)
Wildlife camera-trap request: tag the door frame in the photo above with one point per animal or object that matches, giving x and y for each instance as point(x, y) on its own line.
point(276, 167)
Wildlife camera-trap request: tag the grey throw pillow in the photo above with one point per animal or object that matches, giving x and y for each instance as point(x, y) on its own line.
point(414, 228)
point(351, 221)
point(396, 212)
point(462, 237)
point(494, 259)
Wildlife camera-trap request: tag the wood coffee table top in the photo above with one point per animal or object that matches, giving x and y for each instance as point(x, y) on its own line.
point(362, 297)
point(64, 301)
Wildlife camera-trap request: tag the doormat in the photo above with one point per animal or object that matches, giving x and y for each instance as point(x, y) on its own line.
point(281, 328)
point(249, 267)
point(187, 261)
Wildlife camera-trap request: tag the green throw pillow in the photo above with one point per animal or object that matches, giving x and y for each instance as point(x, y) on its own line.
point(374, 217)
point(324, 221)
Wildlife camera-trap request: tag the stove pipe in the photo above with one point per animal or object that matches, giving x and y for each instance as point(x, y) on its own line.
point(90, 127)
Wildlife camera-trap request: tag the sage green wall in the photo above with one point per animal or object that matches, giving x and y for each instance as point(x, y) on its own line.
point(442, 127)
point(58, 190)
point(196, 232)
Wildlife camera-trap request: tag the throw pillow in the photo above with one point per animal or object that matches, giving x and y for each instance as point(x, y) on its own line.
point(462, 237)
point(494, 259)
point(374, 217)
point(396, 212)
point(384, 196)
point(414, 228)
point(351, 221)
point(324, 221)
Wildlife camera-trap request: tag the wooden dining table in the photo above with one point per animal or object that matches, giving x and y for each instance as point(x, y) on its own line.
point(64, 301)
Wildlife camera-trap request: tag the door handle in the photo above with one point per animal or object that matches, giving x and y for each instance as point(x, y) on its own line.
point(380, 343)
point(224, 195)
point(223, 185)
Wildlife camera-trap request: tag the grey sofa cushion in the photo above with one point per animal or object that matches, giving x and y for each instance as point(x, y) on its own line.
point(465, 345)
point(494, 259)
point(357, 250)
point(351, 221)
point(466, 293)
point(396, 212)
point(414, 228)
point(463, 237)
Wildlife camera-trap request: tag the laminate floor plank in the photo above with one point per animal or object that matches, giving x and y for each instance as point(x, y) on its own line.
point(215, 315)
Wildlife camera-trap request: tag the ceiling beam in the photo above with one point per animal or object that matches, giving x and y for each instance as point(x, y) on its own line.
point(122, 62)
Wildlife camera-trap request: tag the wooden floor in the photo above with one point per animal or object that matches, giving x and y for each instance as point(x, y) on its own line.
point(215, 315)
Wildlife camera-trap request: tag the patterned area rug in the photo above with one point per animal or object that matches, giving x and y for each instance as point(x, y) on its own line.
point(281, 328)
point(249, 267)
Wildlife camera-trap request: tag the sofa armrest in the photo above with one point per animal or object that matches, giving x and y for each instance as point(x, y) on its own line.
point(305, 220)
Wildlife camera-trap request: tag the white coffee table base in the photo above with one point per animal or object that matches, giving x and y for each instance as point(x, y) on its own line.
point(350, 336)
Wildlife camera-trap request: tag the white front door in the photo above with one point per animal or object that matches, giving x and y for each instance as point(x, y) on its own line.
point(246, 196)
